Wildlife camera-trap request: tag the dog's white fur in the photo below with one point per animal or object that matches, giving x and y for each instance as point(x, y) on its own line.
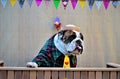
point(64, 48)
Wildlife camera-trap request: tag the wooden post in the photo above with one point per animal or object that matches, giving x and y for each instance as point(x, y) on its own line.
point(1, 63)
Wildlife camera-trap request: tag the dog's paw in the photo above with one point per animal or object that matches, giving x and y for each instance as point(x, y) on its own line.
point(31, 65)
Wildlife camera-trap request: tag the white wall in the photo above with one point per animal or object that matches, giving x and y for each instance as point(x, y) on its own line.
point(24, 31)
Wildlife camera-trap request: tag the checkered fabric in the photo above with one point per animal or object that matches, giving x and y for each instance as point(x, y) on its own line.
point(50, 56)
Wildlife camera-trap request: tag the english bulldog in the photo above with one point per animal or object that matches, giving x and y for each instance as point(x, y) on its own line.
point(67, 41)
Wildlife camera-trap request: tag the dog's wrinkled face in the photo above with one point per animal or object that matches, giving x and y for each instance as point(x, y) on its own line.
point(73, 41)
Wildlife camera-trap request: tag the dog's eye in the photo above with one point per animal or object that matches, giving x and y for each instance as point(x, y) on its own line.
point(70, 38)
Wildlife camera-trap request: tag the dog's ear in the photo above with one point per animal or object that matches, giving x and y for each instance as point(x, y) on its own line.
point(81, 36)
point(61, 33)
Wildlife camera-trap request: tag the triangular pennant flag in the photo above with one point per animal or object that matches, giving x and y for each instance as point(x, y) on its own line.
point(56, 3)
point(4, 3)
point(65, 3)
point(74, 3)
point(12, 2)
point(21, 2)
point(98, 3)
point(30, 2)
point(106, 3)
point(82, 3)
point(115, 3)
point(47, 2)
point(91, 2)
point(38, 2)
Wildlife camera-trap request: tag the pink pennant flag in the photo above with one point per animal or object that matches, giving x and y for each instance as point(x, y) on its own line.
point(74, 3)
point(38, 2)
point(106, 3)
point(47, 2)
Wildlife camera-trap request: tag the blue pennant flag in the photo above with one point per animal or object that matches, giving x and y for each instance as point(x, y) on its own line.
point(91, 2)
point(21, 2)
point(30, 2)
point(115, 3)
point(4, 3)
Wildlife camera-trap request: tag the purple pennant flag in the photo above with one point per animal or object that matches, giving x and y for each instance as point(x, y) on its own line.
point(21, 2)
point(65, 3)
point(74, 3)
point(47, 2)
point(30, 2)
point(106, 3)
point(4, 3)
point(38, 2)
point(91, 2)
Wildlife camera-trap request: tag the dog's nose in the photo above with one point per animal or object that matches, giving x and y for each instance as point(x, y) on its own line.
point(78, 42)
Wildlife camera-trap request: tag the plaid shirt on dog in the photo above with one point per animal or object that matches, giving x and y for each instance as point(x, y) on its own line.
point(50, 56)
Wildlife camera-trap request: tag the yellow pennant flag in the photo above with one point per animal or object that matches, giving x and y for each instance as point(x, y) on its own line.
point(12, 2)
point(66, 63)
point(82, 3)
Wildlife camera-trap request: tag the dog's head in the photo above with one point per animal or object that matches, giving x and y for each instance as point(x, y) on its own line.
point(73, 40)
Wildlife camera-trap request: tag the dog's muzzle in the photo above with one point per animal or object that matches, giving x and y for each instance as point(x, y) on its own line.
point(78, 48)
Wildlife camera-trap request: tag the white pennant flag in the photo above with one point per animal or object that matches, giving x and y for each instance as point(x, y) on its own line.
point(98, 3)
point(4, 3)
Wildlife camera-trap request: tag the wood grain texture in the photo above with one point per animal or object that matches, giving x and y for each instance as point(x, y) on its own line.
point(77, 75)
point(18, 74)
point(99, 75)
point(55, 75)
point(10, 74)
point(84, 75)
point(3, 74)
point(47, 75)
point(33, 74)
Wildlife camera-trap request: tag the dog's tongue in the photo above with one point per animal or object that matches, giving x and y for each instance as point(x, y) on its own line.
point(78, 48)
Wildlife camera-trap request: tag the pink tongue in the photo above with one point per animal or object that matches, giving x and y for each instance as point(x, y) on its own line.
point(78, 47)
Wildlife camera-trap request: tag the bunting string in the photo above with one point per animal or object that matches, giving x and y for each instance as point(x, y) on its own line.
point(56, 3)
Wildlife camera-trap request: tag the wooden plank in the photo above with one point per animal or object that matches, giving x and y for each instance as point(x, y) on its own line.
point(91, 75)
point(84, 75)
point(77, 75)
point(54, 74)
point(18, 74)
point(62, 75)
point(118, 75)
point(10, 74)
point(106, 75)
point(26, 75)
point(69, 75)
point(113, 75)
point(47, 74)
point(3, 74)
point(98, 75)
point(32, 74)
point(60, 69)
point(40, 75)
